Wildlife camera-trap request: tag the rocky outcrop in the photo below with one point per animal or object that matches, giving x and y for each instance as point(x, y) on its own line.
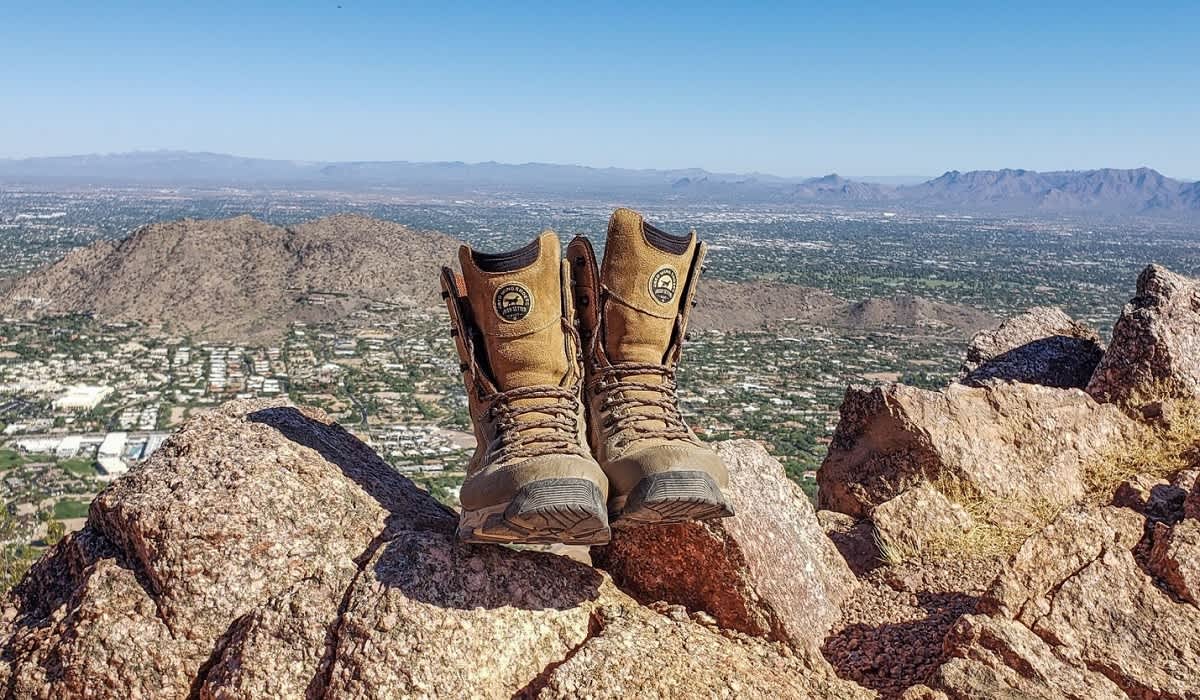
point(996, 657)
point(432, 616)
point(1175, 546)
point(209, 530)
point(1020, 445)
point(263, 551)
point(1041, 346)
point(1101, 602)
point(1155, 348)
point(1074, 615)
point(1175, 558)
point(769, 571)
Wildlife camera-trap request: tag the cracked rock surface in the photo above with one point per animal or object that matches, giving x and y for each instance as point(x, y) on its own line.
point(638, 653)
point(1021, 446)
point(264, 551)
point(1075, 615)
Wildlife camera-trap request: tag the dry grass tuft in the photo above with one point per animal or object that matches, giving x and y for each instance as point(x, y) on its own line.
point(1165, 448)
point(894, 553)
point(999, 527)
point(1161, 450)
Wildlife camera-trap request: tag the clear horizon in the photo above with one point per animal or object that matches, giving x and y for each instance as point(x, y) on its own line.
point(795, 92)
point(862, 177)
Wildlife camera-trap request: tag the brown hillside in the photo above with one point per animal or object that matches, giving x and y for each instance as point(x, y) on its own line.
point(239, 279)
point(734, 306)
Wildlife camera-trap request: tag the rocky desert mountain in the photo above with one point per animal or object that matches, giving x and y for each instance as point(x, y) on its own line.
point(266, 552)
point(242, 280)
point(1027, 532)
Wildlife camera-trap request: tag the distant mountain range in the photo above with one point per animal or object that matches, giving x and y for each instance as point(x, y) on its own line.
point(244, 281)
point(1106, 192)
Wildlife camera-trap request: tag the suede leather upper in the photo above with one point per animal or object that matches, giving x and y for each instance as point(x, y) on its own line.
point(531, 349)
point(637, 323)
point(522, 375)
point(633, 330)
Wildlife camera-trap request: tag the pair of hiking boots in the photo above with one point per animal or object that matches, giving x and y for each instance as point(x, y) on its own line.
point(559, 355)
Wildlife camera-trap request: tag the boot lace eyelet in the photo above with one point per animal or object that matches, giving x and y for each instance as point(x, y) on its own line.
point(636, 407)
point(537, 420)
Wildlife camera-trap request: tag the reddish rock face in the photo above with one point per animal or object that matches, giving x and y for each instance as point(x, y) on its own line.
point(1191, 507)
point(1020, 445)
point(1155, 348)
point(995, 657)
point(229, 513)
point(1041, 346)
point(1175, 558)
point(769, 570)
point(1175, 552)
point(638, 654)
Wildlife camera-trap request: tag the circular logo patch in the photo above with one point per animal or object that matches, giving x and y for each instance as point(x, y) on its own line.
point(663, 284)
point(513, 302)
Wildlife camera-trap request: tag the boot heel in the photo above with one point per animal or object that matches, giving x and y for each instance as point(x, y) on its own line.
point(567, 511)
point(672, 497)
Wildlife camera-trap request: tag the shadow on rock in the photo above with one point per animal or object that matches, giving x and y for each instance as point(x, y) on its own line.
point(435, 568)
point(61, 570)
point(1059, 361)
point(421, 558)
point(855, 541)
point(400, 496)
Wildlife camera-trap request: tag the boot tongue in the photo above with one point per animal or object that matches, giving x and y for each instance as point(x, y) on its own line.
point(516, 301)
point(644, 270)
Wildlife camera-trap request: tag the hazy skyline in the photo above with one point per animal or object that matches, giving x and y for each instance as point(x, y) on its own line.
point(796, 91)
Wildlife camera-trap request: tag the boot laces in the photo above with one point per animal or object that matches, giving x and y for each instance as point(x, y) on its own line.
point(555, 432)
point(635, 405)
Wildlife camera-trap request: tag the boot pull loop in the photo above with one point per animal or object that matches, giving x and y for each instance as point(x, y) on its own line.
point(566, 292)
point(572, 341)
point(463, 330)
point(452, 292)
point(688, 301)
point(585, 278)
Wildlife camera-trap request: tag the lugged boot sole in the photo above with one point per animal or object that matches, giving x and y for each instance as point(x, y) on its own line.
point(670, 497)
point(547, 511)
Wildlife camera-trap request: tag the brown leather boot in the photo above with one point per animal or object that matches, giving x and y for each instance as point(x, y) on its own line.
point(632, 315)
point(532, 478)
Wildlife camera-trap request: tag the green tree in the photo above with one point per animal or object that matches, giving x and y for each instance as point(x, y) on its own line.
point(55, 531)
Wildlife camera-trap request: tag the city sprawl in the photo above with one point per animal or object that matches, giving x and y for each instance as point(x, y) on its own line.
point(83, 399)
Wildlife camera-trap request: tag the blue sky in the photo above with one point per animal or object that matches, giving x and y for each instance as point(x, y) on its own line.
point(785, 88)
